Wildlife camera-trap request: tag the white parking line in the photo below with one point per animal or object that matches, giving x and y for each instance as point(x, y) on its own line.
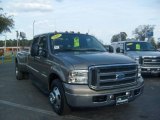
point(39, 110)
point(27, 107)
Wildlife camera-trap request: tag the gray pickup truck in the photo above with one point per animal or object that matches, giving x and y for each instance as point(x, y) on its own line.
point(142, 52)
point(76, 71)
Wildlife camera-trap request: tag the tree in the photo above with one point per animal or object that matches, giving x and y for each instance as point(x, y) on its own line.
point(140, 31)
point(122, 36)
point(9, 43)
point(6, 22)
point(158, 44)
point(153, 42)
point(1, 43)
point(114, 38)
point(13, 43)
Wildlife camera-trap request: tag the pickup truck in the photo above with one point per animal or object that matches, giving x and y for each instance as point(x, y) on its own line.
point(142, 52)
point(76, 71)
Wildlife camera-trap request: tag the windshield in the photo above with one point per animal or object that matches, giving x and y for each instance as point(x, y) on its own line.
point(139, 46)
point(75, 42)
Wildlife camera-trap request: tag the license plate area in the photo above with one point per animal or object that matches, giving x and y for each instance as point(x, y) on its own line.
point(121, 100)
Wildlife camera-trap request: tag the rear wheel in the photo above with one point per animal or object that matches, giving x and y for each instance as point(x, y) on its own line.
point(57, 98)
point(19, 74)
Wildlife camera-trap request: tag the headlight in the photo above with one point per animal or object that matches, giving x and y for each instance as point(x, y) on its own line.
point(78, 77)
point(137, 60)
point(139, 71)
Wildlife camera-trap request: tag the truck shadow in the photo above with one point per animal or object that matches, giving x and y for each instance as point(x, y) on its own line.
point(120, 112)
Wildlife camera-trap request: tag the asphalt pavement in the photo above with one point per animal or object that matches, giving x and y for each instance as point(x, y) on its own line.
point(21, 100)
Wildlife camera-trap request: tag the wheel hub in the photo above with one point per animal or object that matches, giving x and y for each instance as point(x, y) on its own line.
point(55, 97)
point(16, 71)
point(52, 98)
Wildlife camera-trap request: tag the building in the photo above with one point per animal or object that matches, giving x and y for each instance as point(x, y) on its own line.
point(13, 49)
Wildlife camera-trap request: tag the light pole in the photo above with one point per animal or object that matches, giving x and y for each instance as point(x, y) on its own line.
point(5, 42)
point(33, 27)
point(17, 39)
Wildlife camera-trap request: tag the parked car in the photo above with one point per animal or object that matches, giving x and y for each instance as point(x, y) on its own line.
point(75, 70)
point(142, 52)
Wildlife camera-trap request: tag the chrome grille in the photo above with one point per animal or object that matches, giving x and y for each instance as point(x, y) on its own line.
point(151, 62)
point(112, 76)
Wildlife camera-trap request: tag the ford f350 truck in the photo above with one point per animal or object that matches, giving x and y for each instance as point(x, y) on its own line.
point(76, 71)
point(142, 52)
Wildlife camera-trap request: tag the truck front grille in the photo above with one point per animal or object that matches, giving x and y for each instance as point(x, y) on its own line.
point(112, 76)
point(151, 62)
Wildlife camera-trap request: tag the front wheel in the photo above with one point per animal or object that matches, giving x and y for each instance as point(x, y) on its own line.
point(57, 98)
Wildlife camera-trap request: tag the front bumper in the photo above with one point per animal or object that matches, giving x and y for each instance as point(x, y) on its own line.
point(83, 96)
point(150, 70)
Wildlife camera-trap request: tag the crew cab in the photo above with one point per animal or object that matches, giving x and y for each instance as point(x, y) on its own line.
point(142, 52)
point(76, 71)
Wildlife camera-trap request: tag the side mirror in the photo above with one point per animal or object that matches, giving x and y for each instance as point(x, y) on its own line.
point(118, 50)
point(110, 50)
point(34, 50)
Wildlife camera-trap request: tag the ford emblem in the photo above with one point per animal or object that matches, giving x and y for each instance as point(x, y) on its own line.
point(120, 76)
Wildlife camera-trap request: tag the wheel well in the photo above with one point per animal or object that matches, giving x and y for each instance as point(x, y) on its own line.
point(52, 77)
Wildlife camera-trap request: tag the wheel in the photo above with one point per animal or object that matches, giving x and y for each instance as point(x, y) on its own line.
point(57, 98)
point(19, 74)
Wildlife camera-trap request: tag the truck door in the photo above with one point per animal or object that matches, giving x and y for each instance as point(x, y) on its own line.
point(31, 61)
point(42, 63)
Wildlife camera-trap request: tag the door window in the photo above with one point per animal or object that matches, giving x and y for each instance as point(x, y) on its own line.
point(42, 45)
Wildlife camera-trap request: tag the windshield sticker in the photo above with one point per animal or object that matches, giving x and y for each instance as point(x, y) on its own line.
point(56, 47)
point(54, 37)
point(129, 43)
point(76, 42)
point(138, 47)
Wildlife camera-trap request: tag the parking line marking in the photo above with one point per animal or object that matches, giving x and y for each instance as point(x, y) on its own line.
point(27, 107)
point(39, 110)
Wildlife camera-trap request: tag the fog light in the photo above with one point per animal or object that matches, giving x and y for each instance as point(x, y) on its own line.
point(128, 93)
point(102, 98)
point(111, 97)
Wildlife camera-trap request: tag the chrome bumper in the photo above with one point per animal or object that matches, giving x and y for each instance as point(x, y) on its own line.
point(150, 70)
point(83, 96)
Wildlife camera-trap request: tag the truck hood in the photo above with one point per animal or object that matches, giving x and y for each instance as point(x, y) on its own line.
point(84, 60)
point(136, 54)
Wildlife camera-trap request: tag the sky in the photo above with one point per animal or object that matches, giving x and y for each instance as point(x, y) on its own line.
point(101, 18)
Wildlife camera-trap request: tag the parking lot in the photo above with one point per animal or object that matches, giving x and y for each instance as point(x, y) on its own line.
point(21, 100)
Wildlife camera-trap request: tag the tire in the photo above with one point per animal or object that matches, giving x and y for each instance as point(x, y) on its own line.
point(19, 74)
point(57, 98)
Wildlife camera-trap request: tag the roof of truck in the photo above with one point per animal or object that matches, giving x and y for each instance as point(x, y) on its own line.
point(70, 32)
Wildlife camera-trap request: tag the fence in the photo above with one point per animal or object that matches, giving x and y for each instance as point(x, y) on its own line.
point(7, 59)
